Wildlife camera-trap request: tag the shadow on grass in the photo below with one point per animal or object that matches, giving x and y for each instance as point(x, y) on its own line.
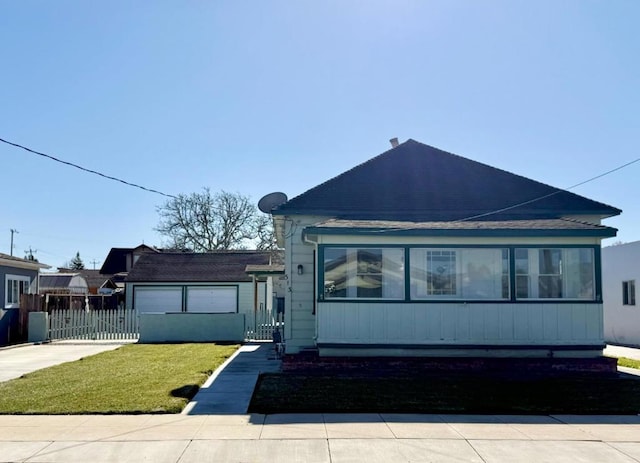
point(188, 391)
point(462, 394)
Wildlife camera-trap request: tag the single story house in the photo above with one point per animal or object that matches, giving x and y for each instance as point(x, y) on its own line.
point(620, 271)
point(17, 276)
point(421, 252)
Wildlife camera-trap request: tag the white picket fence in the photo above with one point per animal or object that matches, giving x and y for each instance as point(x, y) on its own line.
point(95, 324)
point(261, 324)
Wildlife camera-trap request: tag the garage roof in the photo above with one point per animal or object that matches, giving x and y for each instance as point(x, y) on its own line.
point(221, 266)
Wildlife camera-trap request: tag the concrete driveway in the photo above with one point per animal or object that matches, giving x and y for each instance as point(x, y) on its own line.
point(15, 361)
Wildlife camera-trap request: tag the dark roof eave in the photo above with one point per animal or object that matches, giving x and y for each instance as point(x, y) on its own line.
point(605, 232)
point(186, 281)
point(602, 213)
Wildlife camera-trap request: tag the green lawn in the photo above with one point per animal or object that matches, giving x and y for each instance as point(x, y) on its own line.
point(137, 378)
point(627, 362)
point(291, 393)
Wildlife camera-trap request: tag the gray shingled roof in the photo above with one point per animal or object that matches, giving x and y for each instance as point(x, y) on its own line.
point(223, 266)
point(557, 227)
point(417, 182)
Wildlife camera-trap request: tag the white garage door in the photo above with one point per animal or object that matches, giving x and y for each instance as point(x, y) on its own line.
point(158, 299)
point(212, 299)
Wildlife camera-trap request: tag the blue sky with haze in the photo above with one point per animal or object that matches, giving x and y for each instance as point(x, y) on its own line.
point(262, 96)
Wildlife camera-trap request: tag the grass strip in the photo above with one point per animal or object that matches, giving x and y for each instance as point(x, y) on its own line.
point(137, 378)
point(627, 362)
point(297, 393)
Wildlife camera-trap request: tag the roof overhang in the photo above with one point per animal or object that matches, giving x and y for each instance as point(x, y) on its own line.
point(277, 269)
point(22, 263)
point(509, 228)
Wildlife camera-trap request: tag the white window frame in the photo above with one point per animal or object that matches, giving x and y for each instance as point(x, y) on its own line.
point(8, 291)
point(533, 274)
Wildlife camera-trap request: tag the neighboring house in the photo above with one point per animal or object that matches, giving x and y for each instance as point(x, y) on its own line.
point(63, 283)
point(420, 252)
point(17, 277)
point(620, 274)
point(122, 260)
point(215, 282)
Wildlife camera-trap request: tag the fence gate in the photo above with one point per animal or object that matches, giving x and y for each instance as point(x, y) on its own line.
point(95, 324)
point(262, 323)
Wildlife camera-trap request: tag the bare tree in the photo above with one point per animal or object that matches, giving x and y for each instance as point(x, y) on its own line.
point(205, 222)
point(265, 237)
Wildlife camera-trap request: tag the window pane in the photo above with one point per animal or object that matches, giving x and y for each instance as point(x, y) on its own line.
point(549, 261)
point(369, 280)
point(335, 272)
point(461, 273)
point(579, 273)
point(555, 273)
point(550, 286)
point(364, 273)
point(629, 292)
point(522, 286)
point(441, 273)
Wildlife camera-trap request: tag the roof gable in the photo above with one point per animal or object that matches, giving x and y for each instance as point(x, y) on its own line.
point(223, 266)
point(418, 182)
point(116, 260)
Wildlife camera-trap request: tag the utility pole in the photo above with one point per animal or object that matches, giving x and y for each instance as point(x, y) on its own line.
point(94, 262)
point(29, 254)
point(13, 230)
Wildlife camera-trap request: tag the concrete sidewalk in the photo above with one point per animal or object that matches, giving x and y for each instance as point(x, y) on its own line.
point(622, 351)
point(321, 438)
point(230, 388)
point(215, 428)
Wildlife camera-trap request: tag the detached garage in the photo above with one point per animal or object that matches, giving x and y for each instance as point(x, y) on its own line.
point(213, 282)
point(177, 294)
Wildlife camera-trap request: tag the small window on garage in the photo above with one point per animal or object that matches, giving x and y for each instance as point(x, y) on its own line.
point(629, 292)
point(212, 299)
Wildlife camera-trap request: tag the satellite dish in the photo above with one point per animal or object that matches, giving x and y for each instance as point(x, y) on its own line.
point(271, 201)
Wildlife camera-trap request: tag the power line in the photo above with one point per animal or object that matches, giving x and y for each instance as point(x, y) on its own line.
point(86, 170)
point(524, 203)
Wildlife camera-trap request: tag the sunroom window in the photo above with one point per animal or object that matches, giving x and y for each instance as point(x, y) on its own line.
point(465, 273)
point(367, 273)
point(555, 273)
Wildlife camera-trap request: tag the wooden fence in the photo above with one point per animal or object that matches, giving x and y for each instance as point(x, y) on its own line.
point(98, 324)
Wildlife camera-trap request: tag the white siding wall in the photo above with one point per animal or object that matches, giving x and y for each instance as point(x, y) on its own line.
point(621, 322)
point(453, 323)
point(380, 323)
point(300, 323)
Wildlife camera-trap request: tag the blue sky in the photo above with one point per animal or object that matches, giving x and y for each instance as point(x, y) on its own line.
point(261, 96)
